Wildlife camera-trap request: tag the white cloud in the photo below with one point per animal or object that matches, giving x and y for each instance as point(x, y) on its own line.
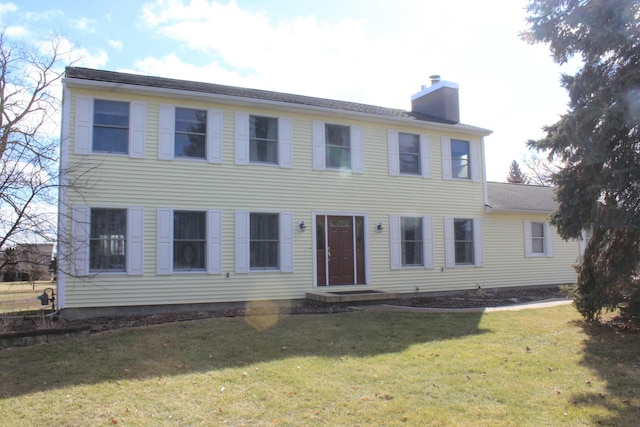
point(84, 24)
point(117, 45)
point(7, 8)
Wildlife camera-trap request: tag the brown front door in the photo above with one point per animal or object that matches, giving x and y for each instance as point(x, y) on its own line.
point(340, 250)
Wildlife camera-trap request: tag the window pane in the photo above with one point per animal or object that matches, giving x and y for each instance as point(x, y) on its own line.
point(338, 146)
point(189, 239)
point(537, 229)
point(191, 133)
point(110, 126)
point(537, 245)
point(460, 159)
point(263, 143)
point(412, 244)
point(463, 231)
point(409, 151)
point(107, 241)
point(264, 235)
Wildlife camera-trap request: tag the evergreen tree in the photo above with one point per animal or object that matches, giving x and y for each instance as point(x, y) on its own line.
point(515, 174)
point(597, 141)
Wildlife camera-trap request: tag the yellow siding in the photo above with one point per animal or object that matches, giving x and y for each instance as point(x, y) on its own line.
point(119, 181)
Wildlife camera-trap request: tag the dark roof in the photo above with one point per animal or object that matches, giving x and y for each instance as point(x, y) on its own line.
point(507, 197)
point(185, 85)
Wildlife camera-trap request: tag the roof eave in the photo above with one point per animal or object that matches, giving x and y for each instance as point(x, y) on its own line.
point(239, 100)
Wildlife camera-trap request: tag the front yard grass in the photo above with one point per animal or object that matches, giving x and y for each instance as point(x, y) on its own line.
point(528, 368)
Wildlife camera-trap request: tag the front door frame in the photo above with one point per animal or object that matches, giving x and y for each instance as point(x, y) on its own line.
point(352, 214)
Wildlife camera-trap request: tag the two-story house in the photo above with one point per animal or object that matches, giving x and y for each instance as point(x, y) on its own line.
point(181, 193)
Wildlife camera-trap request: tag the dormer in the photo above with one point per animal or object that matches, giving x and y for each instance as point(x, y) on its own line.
point(440, 100)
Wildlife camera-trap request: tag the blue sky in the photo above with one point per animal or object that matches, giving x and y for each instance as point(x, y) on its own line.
point(371, 51)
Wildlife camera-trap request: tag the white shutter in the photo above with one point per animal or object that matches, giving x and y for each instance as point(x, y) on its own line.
point(286, 242)
point(446, 158)
point(242, 138)
point(285, 142)
point(394, 153)
point(319, 153)
point(395, 240)
point(356, 150)
point(165, 241)
point(166, 132)
point(449, 243)
point(548, 239)
point(214, 242)
point(474, 148)
point(214, 136)
point(425, 156)
point(137, 130)
point(135, 241)
point(80, 226)
point(528, 244)
point(242, 241)
point(84, 125)
point(427, 238)
point(478, 245)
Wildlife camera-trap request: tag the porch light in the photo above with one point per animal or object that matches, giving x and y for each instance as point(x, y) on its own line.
point(379, 227)
point(302, 226)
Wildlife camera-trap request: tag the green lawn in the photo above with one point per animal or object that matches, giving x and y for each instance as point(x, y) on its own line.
point(540, 367)
point(21, 296)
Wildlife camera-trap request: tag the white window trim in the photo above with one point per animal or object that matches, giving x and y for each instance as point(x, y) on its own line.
point(167, 134)
point(319, 151)
point(474, 162)
point(395, 225)
point(394, 155)
point(242, 141)
point(83, 144)
point(243, 240)
point(449, 242)
point(213, 244)
point(81, 232)
point(528, 240)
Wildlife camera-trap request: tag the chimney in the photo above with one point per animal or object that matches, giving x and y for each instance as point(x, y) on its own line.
point(440, 100)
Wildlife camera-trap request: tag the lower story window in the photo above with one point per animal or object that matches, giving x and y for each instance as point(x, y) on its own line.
point(263, 241)
point(189, 240)
point(463, 232)
point(107, 240)
point(412, 244)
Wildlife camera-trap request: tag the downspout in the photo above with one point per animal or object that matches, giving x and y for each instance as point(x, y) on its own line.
point(484, 173)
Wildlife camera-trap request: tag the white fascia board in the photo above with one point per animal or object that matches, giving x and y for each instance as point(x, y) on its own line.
point(286, 106)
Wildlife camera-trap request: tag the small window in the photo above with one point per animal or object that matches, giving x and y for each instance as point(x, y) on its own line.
point(338, 146)
point(409, 153)
point(107, 241)
point(264, 241)
point(460, 159)
point(110, 126)
point(190, 133)
point(464, 244)
point(263, 140)
point(189, 240)
point(412, 242)
point(537, 238)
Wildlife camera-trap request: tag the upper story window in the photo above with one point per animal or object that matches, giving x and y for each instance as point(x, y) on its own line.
point(538, 239)
point(460, 159)
point(110, 126)
point(190, 133)
point(263, 140)
point(460, 167)
point(409, 153)
point(337, 147)
point(463, 242)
